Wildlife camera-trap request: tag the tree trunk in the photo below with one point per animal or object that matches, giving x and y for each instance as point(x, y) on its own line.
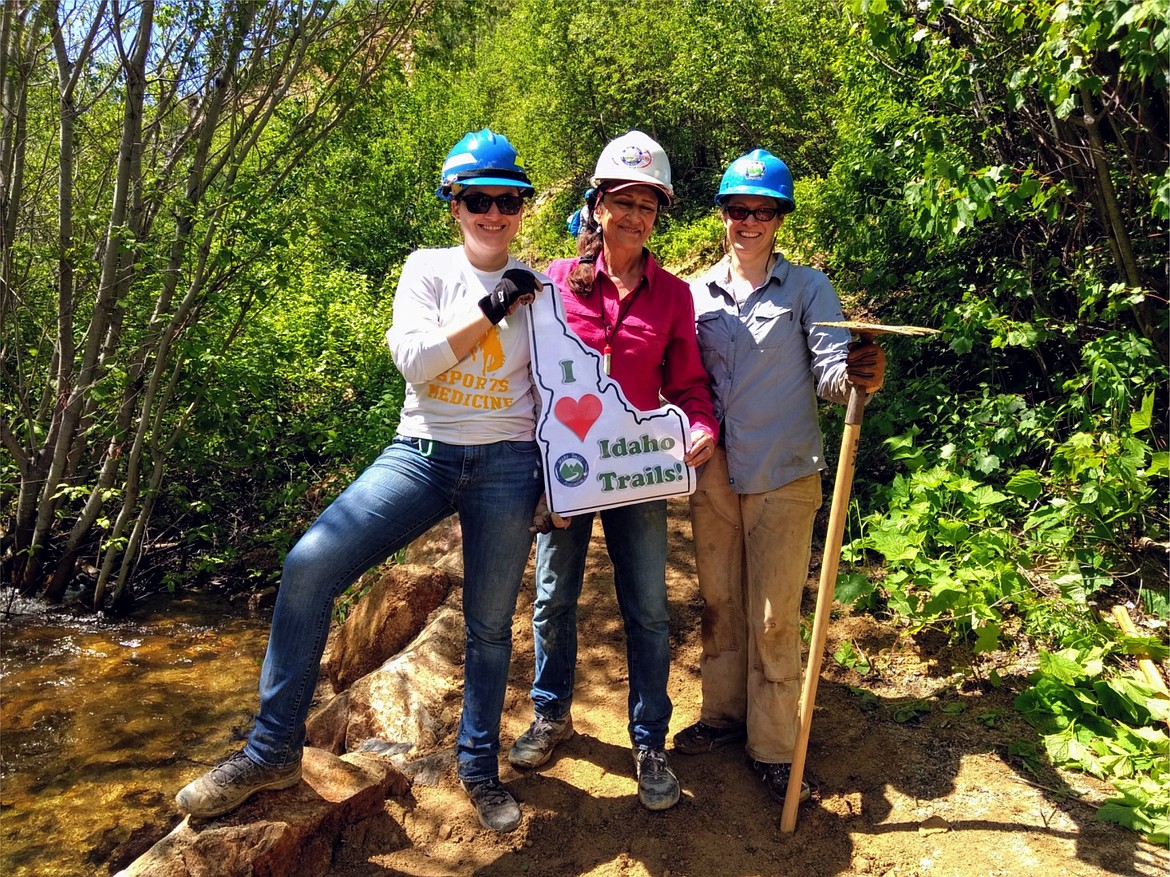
point(1143, 310)
point(112, 266)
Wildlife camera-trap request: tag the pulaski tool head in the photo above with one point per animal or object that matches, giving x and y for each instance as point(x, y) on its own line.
point(870, 331)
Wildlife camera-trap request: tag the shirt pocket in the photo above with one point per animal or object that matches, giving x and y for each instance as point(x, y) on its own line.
point(716, 333)
point(772, 325)
point(638, 338)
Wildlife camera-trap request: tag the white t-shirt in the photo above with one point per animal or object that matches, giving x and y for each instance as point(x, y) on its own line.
point(488, 395)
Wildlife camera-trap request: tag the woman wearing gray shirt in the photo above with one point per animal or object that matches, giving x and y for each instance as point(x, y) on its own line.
point(752, 513)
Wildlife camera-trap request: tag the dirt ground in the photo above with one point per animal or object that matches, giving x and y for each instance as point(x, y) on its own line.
point(909, 767)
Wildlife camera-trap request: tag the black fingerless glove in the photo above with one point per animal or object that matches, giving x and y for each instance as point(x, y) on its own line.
point(515, 283)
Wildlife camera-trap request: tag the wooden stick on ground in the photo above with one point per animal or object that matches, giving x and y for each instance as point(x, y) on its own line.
point(1149, 668)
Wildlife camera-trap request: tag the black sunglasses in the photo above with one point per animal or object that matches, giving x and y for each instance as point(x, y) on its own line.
point(739, 213)
point(477, 202)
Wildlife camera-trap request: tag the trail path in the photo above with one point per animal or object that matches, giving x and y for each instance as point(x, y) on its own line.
point(934, 795)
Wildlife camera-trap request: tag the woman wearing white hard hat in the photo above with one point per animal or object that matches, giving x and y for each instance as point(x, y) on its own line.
point(752, 513)
point(639, 317)
point(461, 446)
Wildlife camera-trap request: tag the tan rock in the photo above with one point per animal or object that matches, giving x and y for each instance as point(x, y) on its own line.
point(402, 701)
point(934, 825)
point(440, 546)
point(389, 616)
point(292, 833)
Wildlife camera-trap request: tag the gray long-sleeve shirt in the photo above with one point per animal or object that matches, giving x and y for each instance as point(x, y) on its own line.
point(768, 362)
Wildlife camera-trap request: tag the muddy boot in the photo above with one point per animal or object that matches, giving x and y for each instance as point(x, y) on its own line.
point(230, 784)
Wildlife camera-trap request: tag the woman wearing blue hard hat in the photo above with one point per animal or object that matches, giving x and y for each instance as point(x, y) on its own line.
point(753, 510)
point(464, 443)
point(639, 318)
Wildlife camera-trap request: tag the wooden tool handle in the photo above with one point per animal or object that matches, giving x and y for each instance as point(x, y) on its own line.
point(829, 560)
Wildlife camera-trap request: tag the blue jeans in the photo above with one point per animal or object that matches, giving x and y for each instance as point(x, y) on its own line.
point(413, 484)
point(635, 536)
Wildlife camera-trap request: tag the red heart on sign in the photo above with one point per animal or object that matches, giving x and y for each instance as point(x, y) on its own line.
point(578, 414)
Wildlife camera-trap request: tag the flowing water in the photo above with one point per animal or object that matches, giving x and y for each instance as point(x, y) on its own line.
point(101, 722)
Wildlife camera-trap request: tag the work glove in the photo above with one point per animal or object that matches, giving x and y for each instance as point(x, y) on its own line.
point(865, 365)
point(513, 287)
point(544, 521)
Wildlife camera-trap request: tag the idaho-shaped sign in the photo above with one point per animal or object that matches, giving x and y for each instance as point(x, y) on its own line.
point(599, 450)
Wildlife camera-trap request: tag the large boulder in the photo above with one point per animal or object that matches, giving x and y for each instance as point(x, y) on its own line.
point(297, 832)
point(440, 546)
point(408, 700)
point(389, 616)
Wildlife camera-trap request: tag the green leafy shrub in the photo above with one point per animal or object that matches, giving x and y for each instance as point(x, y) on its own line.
point(1110, 725)
point(1024, 463)
point(307, 395)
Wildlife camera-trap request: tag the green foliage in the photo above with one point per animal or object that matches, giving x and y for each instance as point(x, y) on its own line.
point(1025, 461)
point(849, 656)
point(948, 553)
point(907, 711)
point(689, 247)
point(383, 167)
point(972, 529)
point(1111, 725)
point(309, 390)
point(154, 197)
point(561, 79)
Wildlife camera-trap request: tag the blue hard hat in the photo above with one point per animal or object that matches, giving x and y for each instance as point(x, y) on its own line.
point(758, 173)
point(481, 158)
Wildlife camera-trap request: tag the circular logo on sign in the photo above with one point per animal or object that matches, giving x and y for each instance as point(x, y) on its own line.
point(634, 157)
point(753, 170)
point(571, 469)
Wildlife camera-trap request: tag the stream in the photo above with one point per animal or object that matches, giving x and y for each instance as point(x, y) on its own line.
point(102, 721)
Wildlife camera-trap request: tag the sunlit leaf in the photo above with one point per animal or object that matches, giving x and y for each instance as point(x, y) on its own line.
point(1025, 483)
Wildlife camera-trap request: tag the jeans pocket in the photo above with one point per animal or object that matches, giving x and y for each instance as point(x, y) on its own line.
point(528, 454)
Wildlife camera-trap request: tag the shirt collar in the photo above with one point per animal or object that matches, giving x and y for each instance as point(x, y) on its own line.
point(652, 267)
point(720, 274)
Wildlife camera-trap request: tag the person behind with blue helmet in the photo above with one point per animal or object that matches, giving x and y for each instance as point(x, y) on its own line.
point(464, 444)
point(579, 218)
point(752, 513)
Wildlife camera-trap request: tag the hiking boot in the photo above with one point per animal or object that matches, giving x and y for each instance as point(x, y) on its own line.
point(701, 737)
point(535, 746)
point(657, 784)
point(775, 777)
point(230, 784)
point(494, 805)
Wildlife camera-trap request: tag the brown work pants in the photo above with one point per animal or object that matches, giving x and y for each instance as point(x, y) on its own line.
point(752, 553)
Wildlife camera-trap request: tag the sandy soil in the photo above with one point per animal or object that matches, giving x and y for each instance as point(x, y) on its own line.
point(934, 794)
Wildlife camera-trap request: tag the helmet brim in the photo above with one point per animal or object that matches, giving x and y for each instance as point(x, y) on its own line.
point(609, 186)
point(513, 183)
point(783, 203)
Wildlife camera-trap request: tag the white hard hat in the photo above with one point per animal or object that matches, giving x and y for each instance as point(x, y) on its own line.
point(634, 159)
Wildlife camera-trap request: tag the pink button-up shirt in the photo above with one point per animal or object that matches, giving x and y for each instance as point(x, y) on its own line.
point(651, 334)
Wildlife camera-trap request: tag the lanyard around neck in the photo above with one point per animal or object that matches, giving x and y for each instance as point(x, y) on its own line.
point(610, 332)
